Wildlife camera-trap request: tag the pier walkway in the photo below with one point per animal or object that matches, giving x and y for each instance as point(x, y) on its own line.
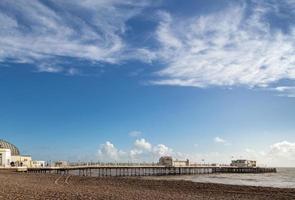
point(100, 171)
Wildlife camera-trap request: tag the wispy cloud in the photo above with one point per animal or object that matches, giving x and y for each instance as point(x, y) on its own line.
point(288, 91)
point(234, 47)
point(221, 141)
point(47, 32)
point(135, 133)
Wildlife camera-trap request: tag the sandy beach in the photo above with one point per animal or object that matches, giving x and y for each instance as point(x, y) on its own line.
point(52, 186)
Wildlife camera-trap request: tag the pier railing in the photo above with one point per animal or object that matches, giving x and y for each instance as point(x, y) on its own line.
point(146, 170)
point(111, 164)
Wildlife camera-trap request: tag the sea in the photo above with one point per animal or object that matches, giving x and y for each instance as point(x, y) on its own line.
point(284, 178)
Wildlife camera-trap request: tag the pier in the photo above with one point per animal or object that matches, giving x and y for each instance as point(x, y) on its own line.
point(101, 171)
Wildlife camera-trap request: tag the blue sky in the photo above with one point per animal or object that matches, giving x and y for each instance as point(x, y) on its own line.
point(134, 80)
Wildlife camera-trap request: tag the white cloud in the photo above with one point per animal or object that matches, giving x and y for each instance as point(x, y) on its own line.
point(49, 68)
point(134, 153)
point(37, 32)
point(288, 91)
point(220, 140)
point(283, 149)
point(281, 154)
point(135, 133)
point(73, 71)
point(141, 151)
point(249, 150)
point(165, 35)
point(108, 152)
point(162, 150)
point(142, 144)
point(233, 47)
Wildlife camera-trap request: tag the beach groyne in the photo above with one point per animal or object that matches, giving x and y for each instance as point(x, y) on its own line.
point(101, 171)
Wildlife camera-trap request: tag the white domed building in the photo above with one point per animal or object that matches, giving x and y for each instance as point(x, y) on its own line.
point(10, 156)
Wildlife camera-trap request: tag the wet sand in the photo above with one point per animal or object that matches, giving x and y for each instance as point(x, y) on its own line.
point(51, 186)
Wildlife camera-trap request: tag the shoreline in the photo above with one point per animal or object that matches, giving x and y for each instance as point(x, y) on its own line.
point(52, 186)
point(211, 180)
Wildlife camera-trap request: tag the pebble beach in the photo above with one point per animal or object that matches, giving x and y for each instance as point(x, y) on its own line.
point(53, 186)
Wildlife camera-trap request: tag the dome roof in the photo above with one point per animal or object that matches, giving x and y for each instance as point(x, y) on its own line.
point(6, 145)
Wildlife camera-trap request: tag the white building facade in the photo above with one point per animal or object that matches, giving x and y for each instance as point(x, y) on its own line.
point(10, 157)
point(38, 163)
point(169, 162)
point(243, 163)
point(5, 157)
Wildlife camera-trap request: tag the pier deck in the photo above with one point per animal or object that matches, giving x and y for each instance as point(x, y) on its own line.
point(147, 170)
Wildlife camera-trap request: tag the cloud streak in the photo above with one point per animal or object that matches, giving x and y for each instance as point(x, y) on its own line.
point(236, 46)
point(135, 133)
point(288, 91)
point(219, 140)
point(46, 33)
point(233, 47)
